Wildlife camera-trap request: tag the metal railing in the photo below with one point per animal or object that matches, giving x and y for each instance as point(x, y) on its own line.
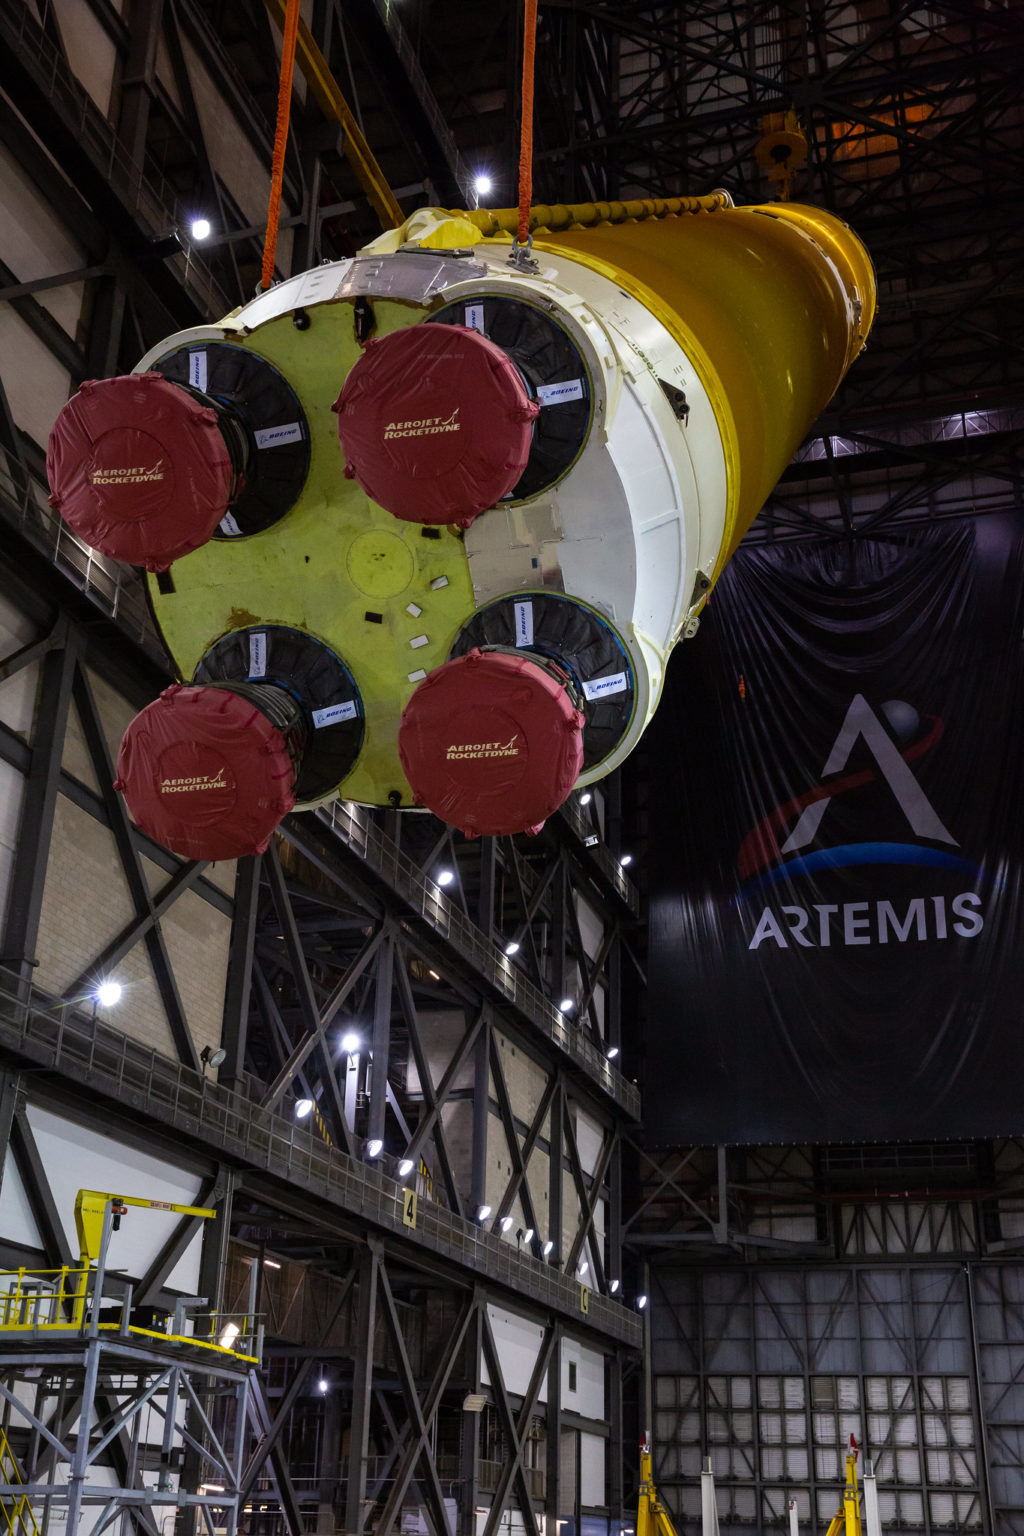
point(42, 1300)
point(116, 589)
point(353, 825)
point(59, 1036)
point(142, 189)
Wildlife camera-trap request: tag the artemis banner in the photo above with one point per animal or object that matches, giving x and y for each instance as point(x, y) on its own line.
point(837, 794)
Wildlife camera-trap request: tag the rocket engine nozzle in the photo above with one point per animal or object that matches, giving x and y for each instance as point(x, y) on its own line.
point(143, 469)
point(435, 423)
point(492, 741)
point(209, 770)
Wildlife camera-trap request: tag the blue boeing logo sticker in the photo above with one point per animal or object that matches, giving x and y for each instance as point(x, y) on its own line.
point(764, 861)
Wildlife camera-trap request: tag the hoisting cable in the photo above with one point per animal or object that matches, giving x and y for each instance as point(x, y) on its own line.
point(284, 107)
point(523, 240)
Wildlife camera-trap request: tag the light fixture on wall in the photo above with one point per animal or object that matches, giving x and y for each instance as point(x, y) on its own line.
point(641, 1302)
point(505, 1223)
point(483, 1212)
point(566, 1005)
point(445, 876)
point(374, 1148)
point(212, 1059)
point(625, 858)
point(482, 184)
point(512, 947)
point(586, 797)
point(200, 229)
point(303, 1107)
point(547, 1248)
point(612, 1052)
point(583, 1269)
point(108, 993)
point(613, 1287)
point(350, 1042)
point(322, 1386)
point(405, 1167)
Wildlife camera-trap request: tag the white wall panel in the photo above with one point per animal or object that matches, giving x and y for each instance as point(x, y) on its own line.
point(592, 1488)
point(76, 1157)
point(36, 385)
point(34, 243)
point(518, 1341)
point(90, 50)
point(17, 1224)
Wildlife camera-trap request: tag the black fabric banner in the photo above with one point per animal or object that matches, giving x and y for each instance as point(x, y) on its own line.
point(837, 777)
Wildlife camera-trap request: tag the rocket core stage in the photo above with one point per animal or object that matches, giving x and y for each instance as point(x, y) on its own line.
point(429, 521)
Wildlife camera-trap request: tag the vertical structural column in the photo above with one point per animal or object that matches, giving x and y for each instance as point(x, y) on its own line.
point(28, 874)
point(481, 1114)
point(556, 1142)
point(553, 1470)
point(385, 968)
point(469, 1447)
point(239, 979)
point(362, 1389)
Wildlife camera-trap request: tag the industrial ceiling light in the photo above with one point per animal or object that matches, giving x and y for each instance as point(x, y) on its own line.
point(483, 1213)
point(322, 1387)
point(482, 185)
point(200, 229)
point(613, 1287)
point(108, 993)
point(583, 1269)
point(375, 1147)
point(565, 1006)
point(213, 1059)
point(612, 1052)
point(303, 1107)
point(586, 797)
point(548, 1246)
point(512, 947)
point(641, 1302)
point(271, 1264)
point(405, 1167)
point(350, 1042)
point(528, 1235)
point(505, 1223)
point(445, 876)
point(626, 858)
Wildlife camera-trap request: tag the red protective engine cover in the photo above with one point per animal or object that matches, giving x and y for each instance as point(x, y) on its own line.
point(435, 423)
point(205, 773)
point(491, 743)
point(139, 469)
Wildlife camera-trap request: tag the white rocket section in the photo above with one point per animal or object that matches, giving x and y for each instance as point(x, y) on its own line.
point(635, 527)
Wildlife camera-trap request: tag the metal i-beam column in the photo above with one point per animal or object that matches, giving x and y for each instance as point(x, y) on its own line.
point(362, 1390)
point(28, 874)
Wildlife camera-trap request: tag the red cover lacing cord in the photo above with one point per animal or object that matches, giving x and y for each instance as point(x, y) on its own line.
point(284, 107)
point(526, 132)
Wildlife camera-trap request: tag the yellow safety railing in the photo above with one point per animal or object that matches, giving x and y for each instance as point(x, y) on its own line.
point(41, 1300)
point(17, 1512)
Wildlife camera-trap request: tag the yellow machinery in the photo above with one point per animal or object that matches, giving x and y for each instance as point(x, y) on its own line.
point(336, 506)
point(54, 1300)
point(847, 1521)
point(652, 1518)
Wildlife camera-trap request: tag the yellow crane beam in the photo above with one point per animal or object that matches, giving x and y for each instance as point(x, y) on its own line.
point(332, 103)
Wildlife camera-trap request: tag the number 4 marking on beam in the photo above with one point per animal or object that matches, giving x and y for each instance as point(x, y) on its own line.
point(409, 1208)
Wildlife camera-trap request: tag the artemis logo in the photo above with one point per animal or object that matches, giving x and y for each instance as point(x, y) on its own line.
point(200, 781)
point(764, 861)
point(427, 426)
point(483, 749)
point(129, 474)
